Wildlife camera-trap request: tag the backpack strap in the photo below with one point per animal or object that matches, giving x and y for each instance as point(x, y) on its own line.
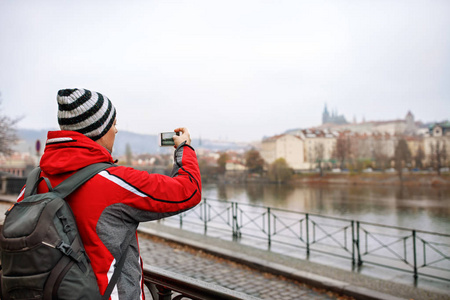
point(69, 185)
point(32, 180)
point(118, 267)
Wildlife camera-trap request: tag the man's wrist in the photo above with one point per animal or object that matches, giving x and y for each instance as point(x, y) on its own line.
point(184, 144)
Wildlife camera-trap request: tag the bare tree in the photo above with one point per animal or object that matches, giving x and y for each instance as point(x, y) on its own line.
point(319, 150)
point(362, 155)
point(279, 171)
point(402, 157)
point(380, 154)
point(420, 155)
point(222, 162)
point(342, 150)
point(254, 162)
point(438, 155)
point(8, 135)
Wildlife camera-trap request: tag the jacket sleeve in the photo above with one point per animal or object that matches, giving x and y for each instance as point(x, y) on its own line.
point(153, 196)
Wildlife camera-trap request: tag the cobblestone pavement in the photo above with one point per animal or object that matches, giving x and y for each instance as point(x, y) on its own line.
point(200, 265)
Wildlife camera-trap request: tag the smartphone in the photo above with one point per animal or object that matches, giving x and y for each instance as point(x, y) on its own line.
point(166, 138)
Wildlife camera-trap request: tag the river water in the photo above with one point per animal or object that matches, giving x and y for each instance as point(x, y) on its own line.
point(418, 207)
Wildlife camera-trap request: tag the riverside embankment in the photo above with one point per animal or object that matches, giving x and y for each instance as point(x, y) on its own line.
point(373, 179)
point(425, 179)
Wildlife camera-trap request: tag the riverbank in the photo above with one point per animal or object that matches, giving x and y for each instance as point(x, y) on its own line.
point(410, 179)
point(352, 179)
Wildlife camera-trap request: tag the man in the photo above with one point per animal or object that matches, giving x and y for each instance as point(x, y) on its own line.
point(110, 206)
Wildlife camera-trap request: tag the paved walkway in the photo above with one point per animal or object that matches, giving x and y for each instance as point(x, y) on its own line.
point(213, 269)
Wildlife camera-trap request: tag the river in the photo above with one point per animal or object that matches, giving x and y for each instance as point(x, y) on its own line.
point(418, 207)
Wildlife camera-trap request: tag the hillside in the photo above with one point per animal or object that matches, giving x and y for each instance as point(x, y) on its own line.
point(139, 143)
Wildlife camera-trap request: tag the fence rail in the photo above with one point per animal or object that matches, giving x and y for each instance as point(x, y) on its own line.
point(418, 252)
point(166, 285)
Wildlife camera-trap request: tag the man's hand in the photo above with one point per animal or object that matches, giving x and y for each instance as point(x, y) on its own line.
point(184, 137)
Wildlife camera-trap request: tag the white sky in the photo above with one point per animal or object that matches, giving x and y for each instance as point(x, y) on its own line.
point(235, 70)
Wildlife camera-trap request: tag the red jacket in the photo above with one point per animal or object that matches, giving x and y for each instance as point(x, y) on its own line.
point(111, 204)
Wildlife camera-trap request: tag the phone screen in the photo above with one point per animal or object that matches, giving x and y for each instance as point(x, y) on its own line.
point(167, 138)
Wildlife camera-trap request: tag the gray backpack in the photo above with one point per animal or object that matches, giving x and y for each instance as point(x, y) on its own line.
point(42, 254)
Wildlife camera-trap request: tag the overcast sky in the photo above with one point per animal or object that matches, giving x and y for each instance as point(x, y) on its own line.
point(235, 70)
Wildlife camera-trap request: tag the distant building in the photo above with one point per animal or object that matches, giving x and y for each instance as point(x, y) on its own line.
point(235, 166)
point(437, 140)
point(319, 145)
point(411, 128)
point(440, 129)
point(18, 164)
point(407, 126)
point(301, 149)
point(332, 118)
point(372, 142)
point(286, 146)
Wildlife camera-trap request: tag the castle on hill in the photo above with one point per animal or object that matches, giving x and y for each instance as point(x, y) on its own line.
point(407, 126)
point(332, 118)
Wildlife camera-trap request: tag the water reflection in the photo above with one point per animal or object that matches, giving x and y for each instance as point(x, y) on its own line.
point(425, 208)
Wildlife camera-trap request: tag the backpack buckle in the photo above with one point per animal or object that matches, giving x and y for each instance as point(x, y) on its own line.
point(65, 248)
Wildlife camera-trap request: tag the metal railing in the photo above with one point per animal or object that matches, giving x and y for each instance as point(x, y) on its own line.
point(362, 243)
point(166, 285)
point(11, 185)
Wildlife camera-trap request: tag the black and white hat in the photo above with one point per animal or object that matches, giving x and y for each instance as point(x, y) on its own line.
point(86, 112)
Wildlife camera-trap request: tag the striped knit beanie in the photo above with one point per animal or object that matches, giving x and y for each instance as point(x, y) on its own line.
point(86, 112)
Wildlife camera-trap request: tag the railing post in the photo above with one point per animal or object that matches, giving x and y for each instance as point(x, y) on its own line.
point(414, 254)
point(234, 218)
point(307, 234)
point(269, 239)
point(353, 243)
point(234, 211)
point(205, 214)
point(357, 242)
